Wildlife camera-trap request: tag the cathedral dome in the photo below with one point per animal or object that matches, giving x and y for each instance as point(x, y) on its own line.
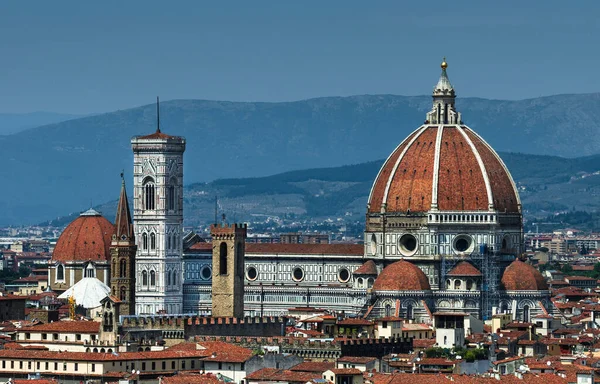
point(88, 237)
point(443, 166)
point(401, 276)
point(464, 268)
point(520, 276)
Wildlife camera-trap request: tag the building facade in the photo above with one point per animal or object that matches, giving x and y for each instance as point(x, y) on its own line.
point(158, 221)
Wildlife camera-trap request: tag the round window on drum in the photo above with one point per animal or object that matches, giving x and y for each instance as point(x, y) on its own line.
point(298, 274)
point(343, 275)
point(407, 244)
point(251, 273)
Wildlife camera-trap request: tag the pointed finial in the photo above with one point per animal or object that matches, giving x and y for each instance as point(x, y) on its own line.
point(123, 176)
point(444, 65)
point(157, 116)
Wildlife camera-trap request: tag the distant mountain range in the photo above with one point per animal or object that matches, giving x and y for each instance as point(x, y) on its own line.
point(65, 167)
point(16, 122)
point(547, 184)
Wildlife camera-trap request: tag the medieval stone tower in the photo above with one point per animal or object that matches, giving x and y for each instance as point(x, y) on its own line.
point(122, 257)
point(229, 247)
point(158, 221)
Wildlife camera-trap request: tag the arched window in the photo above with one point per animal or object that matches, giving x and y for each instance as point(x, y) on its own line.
point(360, 282)
point(409, 312)
point(168, 241)
point(457, 284)
point(123, 268)
point(370, 282)
point(169, 278)
point(60, 272)
point(171, 195)
point(175, 277)
point(526, 313)
point(469, 285)
point(123, 295)
point(152, 241)
point(223, 259)
point(149, 194)
point(144, 278)
point(144, 240)
point(90, 271)
point(388, 310)
point(152, 279)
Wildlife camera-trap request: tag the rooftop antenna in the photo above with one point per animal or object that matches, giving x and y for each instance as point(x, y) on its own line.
point(216, 209)
point(157, 116)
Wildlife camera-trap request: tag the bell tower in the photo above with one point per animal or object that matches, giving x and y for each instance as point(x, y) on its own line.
point(158, 221)
point(122, 256)
point(229, 248)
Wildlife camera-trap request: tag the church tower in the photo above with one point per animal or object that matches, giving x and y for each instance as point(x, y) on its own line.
point(229, 248)
point(122, 256)
point(158, 221)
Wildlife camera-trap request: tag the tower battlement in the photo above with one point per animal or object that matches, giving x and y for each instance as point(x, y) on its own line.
point(223, 231)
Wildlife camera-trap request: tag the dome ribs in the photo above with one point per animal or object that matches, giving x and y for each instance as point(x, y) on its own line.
point(86, 238)
point(503, 189)
point(412, 181)
point(461, 185)
point(402, 276)
point(382, 178)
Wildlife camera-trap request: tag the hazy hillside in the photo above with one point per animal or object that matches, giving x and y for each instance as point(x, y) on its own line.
point(61, 167)
point(548, 184)
point(16, 122)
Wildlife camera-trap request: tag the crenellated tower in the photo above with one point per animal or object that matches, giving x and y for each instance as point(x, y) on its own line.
point(122, 256)
point(229, 248)
point(158, 221)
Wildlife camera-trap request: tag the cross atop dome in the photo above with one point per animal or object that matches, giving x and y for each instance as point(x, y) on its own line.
point(443, 111)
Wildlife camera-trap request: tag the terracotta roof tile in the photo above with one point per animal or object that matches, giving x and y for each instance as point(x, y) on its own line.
point(520, 276)
point(464, 268)
point(401, 276)
point(87, 237)
point(65, 326)
point(368, 268)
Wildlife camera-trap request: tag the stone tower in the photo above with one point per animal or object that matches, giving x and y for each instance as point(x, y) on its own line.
point(158, 221)
point(122, 257)
point(229, 247)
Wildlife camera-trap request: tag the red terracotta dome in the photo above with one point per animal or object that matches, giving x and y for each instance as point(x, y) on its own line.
point(402, 276)
point(464, 268)
point(448, 167)
point(88, 237)
point(520, 276)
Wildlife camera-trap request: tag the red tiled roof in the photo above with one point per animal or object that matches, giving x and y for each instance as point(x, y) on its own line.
point(313, 366)
point(88, 237)
point(225, 352)
point(464, 268)
point(282, 375)
point(189, 378)
point(157, 135)
point(410, 177)
point(356, 359)
point(435, 361)
point(346, 371)
point(65, 327)
point(368, 268)
point(520, 276)
point(349, 321)
point(402, 276)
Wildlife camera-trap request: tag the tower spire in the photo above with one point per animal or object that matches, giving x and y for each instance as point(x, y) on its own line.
point(443, 111)
point(123, 223)
point(157, 115)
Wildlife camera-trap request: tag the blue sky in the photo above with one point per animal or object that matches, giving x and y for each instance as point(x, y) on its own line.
point(95, 56)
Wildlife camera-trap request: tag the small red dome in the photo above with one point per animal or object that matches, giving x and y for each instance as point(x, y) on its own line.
point(520, 276)
point(449, 168)
point(402, 276)
point(464, 268)
point(88, 237)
